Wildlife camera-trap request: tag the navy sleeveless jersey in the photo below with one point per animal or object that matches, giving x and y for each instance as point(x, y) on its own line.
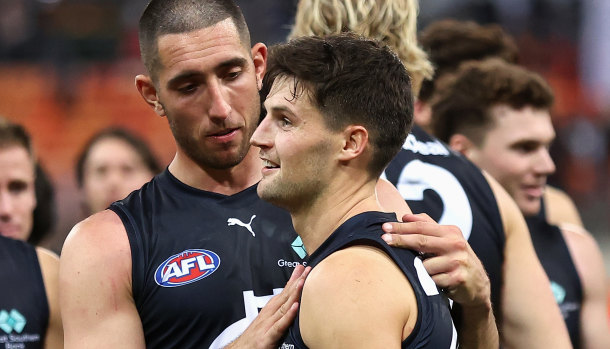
point(204, 264)
point(557, 262)
point(435, 180)
point(24, 310)
point(434, 327)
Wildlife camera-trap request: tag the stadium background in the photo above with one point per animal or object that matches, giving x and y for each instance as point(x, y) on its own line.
point(67, 70)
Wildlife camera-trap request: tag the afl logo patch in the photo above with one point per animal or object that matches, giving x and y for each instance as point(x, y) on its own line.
point(186, 267)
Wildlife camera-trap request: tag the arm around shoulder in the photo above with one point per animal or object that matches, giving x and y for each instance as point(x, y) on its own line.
point(96, 299)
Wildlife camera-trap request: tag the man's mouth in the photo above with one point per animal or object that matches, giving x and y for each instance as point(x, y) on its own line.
point(223, 132)
point(225, 135)
point(535, 191)
point(9, 230)
point(269, 164)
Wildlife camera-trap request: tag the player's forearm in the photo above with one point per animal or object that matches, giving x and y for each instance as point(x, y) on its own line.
point(478, 328)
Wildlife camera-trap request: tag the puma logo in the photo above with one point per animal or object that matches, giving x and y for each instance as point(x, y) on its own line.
point(235, 221)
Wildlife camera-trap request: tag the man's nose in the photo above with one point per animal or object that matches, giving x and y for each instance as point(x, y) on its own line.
point(219, 106)
point(6, 205)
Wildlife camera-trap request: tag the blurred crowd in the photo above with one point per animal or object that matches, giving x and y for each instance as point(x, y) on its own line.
point(68, 65)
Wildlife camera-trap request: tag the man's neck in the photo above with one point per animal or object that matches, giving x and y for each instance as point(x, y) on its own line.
point(222, 181)
point(316, 222)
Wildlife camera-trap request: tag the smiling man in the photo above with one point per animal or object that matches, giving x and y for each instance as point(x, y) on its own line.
point(498, 115)
point(338, 110)
point(189, 260)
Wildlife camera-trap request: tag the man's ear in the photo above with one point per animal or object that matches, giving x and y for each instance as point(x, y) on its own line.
point(355, 139)
point(259, 57)
point(148, 91)
point(461, 143)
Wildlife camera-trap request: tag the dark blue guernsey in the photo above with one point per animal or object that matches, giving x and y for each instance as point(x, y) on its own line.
point(24, 310)
point(435, 180)
point(434, 328)
point(204, 263)
point(557, 262)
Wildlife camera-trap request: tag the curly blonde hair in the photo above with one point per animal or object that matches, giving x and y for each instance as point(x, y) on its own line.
point(390, 21)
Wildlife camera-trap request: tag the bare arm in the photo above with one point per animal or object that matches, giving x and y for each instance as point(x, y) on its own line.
point(49, 265)
point(590, 266)
point(528, 306)
point(453, 265)
point(357, 298)
point(96, 299)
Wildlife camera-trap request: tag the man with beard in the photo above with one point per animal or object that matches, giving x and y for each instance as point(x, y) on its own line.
point(439, 182)
point(324, 107)
point(188, 260)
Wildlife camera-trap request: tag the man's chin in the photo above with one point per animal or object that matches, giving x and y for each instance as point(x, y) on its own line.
point(267, 192)
point(530, 207)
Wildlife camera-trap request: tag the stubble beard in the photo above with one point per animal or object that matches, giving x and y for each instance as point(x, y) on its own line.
point(210, 159)
point(289, 195)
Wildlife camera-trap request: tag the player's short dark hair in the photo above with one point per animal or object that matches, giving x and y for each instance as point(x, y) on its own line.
point(182, 16)
point(451, 42)
point(131, 139)
point(463, 102)
point(351, 80)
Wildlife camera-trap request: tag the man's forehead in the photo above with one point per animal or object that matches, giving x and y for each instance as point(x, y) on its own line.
point(222, 33)
point(289, 89)
point(16, 157)
point(526, 122)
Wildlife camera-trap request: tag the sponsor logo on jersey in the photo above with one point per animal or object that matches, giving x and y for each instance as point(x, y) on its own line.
point(288, 264)
point(12, 321)
point(186, 267)
point(425, 148)
point(566, 308)
point(298, 247)
point(558, 291)
point(236, 221)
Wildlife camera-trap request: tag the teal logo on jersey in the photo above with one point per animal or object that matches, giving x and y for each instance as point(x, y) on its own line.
point(558, 291)
point(298, 247)
point(12, 321)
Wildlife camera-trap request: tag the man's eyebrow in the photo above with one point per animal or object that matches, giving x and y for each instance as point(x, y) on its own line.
point(183, 76)
point(280, 109)
point(233, 62)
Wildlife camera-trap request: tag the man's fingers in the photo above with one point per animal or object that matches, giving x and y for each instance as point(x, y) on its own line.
point(423, 243)
point(281, 325)
point(421, 227)
point(440, 264)
point(419, 217)
point(297, 272)
point(289, 295)
point(449, 277)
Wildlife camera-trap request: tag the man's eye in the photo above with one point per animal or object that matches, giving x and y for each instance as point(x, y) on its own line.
point(285, 122)
point(186, 89)
point(232, 75)
point(16, 187)
point(526, 147)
